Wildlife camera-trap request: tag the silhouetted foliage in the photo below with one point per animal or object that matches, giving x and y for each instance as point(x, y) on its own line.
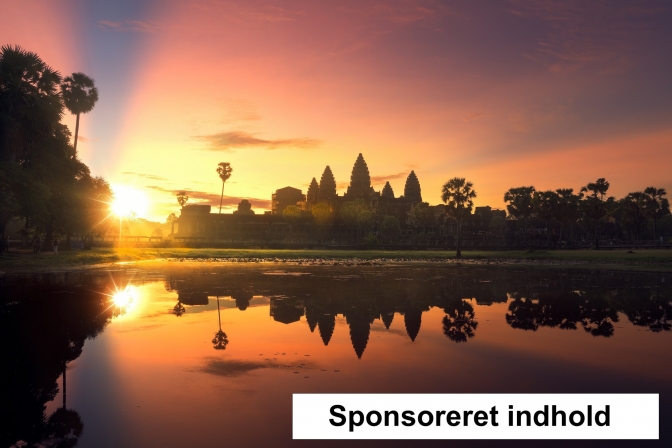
point(593, 206)
point(182, 198)
point(41, 178)
point(224, 171)
point(79, 96)
point(458, 194)
point(459, 323)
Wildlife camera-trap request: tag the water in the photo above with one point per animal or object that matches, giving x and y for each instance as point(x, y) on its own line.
point(147, 365)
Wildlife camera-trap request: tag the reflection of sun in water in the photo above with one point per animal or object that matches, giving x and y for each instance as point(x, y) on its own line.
point(125, 299)
point(129, 201)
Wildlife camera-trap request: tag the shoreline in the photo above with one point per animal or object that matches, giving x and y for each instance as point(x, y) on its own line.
point(654, 260)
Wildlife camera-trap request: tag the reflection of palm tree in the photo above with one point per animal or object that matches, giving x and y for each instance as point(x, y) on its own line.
point(597, 314)
point(523, 313)
point(220, 341)
point(644, 310)
point(179, 309)
point(459, 323)
point(63, 428)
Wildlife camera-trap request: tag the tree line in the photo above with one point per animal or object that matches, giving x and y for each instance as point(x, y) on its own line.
point(588, 210)
point(42, 179)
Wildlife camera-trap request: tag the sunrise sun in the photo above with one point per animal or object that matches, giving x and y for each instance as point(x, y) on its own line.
point(129, 201)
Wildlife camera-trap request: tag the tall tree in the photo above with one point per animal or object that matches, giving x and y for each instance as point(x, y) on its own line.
point(594, 205)
point(30, 110)
point(657, 206)
point(568, 209)
point(30, 106)
point(632, 213)
point(224, 170)
point(182, 197)
point(458, 194)
point(545, 206)
point(520, 205)
point(79, 95)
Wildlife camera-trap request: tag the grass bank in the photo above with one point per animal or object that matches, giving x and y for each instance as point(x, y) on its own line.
point(660, 260)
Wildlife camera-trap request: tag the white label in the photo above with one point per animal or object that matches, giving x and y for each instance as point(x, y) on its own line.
point(475, 416)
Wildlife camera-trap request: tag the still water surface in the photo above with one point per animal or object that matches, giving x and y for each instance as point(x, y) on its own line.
point(209, 355)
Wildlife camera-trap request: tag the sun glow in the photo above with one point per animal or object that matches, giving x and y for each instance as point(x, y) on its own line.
point(125, 299)
point(129, 201)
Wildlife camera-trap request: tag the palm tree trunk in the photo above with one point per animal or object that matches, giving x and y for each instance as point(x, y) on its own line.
point(597, 238)
point(65, 390)
point(76, 133)
point(548, 236)
point(654, 229)
point(459, 252)
point(221, 199)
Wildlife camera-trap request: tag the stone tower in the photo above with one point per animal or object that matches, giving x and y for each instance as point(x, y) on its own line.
point(313, 192)
point(387, 192)
point(412, 189)
point(327, 185)
point(360, 181)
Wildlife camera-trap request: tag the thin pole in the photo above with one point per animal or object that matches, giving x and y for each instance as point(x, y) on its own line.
point(219, 317)
point(76, 132)
point(221, 198)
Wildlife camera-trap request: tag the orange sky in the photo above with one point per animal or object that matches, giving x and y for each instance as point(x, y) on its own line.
point(553, 94)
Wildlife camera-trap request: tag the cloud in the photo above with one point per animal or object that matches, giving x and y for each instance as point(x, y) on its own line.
point(233, 367)
point(146, 176)
point(205, 198)
point(225, 141)
point(387, 177)
point(82, 139)
point(400, 12)
point(584, 33)
point(472, 116)
point(247, 13)
point(128, 25)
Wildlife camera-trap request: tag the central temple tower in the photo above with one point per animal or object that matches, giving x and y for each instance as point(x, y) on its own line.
point(360, 180)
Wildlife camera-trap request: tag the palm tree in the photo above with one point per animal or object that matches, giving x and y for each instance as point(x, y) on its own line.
point(79, 95)
point(568, 209)
point(656, 205)
point(182, 197)
point(520, 205)
point(458, 194)
point(545, 205)
point(594, 204)
point(224, 170)
point(30, 106)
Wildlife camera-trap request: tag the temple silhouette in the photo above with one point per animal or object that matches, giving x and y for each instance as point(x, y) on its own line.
point(197, 222)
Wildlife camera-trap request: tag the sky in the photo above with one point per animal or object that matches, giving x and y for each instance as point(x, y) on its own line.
point(553, 94)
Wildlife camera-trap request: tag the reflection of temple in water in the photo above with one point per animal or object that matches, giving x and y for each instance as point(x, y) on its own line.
point(536, 299)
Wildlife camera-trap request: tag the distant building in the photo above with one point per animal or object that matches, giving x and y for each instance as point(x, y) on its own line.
point(193, 220)
point(284, 197)
point(244, 208)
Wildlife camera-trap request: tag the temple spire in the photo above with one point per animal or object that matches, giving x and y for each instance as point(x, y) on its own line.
point(360, 180)
point(327, 185)
point(412, 189)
